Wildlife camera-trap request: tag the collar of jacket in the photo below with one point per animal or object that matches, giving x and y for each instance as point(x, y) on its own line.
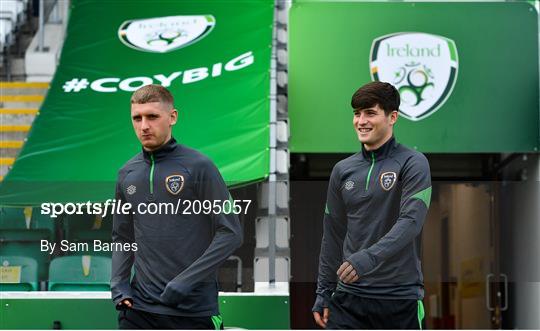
point(381, 152)
point(161, 152)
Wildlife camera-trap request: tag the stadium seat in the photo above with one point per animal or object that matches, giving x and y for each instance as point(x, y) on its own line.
point(80, 273)
point(21, 230)
point(86, 229)
point(25, 224)
point(18, 273)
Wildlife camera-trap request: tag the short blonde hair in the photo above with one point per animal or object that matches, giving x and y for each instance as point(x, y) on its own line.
point(152, 93)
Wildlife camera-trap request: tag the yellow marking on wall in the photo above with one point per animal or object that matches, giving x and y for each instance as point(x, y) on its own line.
point(37, 85)
point(19, 111)
point(22, 98)
point(14, 128)
point(7, 160)
point(11, 144)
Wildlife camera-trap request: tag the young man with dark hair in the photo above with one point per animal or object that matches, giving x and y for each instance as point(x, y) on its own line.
point(370, 274)
point(174, 284)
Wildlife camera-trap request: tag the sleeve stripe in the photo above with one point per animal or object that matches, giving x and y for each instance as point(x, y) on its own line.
point(424, 195)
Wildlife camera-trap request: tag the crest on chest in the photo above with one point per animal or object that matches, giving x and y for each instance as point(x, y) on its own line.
point(174, 184)
point(387, 180)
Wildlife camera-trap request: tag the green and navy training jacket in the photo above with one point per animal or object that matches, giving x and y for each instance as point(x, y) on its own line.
point(376, 205)
point(175, 265)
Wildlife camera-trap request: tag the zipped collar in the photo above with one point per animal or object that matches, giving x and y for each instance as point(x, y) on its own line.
point(161, 152)
point(381, 152)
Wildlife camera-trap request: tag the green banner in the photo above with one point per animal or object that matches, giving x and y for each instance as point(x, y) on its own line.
point(467, 73)
point(214, 56)
point(243, 311)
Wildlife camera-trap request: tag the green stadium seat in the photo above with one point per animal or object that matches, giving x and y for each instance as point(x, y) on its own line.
point(80, 273)
point(21, 230)
point(86, 229)
point(18, 273)
point(25, 224)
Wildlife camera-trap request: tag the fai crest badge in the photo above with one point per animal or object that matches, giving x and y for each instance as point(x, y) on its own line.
point(387, 180)
point(165, 34)
point(423, 67)
point(174, 184)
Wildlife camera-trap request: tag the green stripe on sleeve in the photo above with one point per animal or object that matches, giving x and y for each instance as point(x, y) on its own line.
point(424, 195)
point(217, 320)
point(421, 313)
point(326, 211)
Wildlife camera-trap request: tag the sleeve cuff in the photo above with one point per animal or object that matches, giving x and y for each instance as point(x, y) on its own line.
point(361, 262)
point(120, 292)
point(320, 303)
point(121, 298)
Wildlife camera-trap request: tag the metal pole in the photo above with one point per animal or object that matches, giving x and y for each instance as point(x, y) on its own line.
point(41, 28)
point(272, 230)
point(272, 203)
point(56, 12)
point(238, 271)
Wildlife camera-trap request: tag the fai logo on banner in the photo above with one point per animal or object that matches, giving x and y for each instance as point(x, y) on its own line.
point(174, 184)
point(423, 67)
point(165, 34)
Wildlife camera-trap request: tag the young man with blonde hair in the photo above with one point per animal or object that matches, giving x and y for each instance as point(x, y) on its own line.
point(174, 281)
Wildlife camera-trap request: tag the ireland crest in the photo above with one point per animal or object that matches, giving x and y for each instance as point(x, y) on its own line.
point(423, 67)
point(174, 184)
point(387, 180)
point(165, 34)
